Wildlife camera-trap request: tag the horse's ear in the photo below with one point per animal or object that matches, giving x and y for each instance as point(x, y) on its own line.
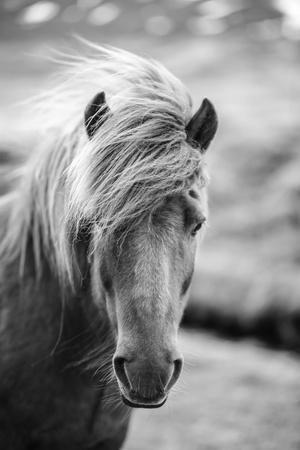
point(95, 113)
point(203, 126)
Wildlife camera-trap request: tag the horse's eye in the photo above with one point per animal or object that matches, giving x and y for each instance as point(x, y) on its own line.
point(196, 228)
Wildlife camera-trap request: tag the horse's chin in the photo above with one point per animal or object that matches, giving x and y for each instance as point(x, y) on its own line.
point(143, 404)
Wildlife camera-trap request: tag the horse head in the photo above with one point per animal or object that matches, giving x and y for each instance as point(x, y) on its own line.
point(146, 273)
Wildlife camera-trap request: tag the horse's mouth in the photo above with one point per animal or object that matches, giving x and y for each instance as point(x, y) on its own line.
point(144, 403)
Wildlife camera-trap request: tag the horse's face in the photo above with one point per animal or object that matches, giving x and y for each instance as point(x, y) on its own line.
point(146, 283)
point(146, 277)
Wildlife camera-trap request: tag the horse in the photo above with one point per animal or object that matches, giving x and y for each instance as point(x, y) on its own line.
point(97, 247)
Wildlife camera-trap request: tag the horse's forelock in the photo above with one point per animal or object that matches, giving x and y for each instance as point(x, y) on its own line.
point(137, 156)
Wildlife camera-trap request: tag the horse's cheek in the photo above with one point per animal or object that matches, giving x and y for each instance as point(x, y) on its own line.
point(111, 311)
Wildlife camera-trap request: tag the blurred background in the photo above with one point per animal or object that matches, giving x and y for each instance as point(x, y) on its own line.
point(241, 338)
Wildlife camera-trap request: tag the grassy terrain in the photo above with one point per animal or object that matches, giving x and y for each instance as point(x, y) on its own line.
point(232, 396)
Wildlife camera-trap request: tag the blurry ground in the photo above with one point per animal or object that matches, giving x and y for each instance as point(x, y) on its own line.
point(232, 396)
point(245, 56)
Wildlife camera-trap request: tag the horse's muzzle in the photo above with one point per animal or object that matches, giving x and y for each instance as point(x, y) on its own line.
point(144, 403)
point(145, 385)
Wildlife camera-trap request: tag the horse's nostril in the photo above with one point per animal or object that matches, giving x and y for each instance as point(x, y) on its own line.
point(178, 366)
point(119, 366)
point(176, 372)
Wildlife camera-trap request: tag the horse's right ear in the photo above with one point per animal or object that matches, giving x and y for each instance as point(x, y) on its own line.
point(95, 114)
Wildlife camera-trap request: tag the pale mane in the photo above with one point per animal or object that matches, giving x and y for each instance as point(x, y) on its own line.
point(138, 156)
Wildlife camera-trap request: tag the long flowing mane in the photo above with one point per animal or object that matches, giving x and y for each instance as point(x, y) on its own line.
point(138, 156)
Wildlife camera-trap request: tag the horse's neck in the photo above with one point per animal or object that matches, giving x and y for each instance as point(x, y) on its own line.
point(47, 320)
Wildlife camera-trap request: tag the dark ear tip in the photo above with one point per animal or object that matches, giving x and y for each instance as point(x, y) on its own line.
point(100, 98)
point(202, 127)
point(210, 111)
point(209, 105)
point(95, 113)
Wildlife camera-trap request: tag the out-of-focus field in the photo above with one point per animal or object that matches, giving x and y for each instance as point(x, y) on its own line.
point(232, 396)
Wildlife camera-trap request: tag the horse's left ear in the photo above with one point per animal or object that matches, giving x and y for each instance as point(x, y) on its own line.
point(203, 126)
point(95, 113)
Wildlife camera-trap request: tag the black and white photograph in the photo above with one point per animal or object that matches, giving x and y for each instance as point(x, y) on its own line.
point(150, 225)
